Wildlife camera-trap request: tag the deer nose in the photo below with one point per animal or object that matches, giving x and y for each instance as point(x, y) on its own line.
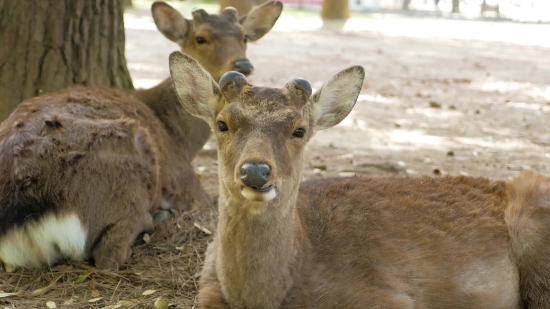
point(255, 175)
point(244, 66)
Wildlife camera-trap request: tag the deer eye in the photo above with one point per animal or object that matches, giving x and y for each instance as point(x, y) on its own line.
point(222, 126)
point(299, 133)
point(246, 38)
point(200, 40)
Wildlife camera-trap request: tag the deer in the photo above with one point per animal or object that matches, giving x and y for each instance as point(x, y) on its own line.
point(85, 169)
point(352, 242)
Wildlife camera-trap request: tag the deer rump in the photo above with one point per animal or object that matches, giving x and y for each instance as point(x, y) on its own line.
point(80, 173)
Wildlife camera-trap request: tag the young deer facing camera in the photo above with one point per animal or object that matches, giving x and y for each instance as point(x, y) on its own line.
point(389, 242)
point(83, 169)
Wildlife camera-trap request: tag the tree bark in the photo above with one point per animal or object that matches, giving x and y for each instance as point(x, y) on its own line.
point(242, 6)
point(335, 9)
point(456, 6)
point(48, 45)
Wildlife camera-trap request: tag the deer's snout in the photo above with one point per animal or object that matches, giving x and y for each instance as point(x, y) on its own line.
point(244, 66)
point(255, 175)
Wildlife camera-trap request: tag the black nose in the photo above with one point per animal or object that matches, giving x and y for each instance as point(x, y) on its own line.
point(255, 175)
point(244, 66)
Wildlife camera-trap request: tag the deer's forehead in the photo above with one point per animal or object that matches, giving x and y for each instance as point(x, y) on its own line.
point(219, 27)
point(272, 108)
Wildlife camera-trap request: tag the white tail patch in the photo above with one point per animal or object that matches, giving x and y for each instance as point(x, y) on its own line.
point(44, 242)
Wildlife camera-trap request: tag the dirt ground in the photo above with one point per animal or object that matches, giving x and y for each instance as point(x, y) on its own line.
point(441, 96)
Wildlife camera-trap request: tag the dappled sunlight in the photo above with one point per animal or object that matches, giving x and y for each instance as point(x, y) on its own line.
point(534, 91)
point(139, 22)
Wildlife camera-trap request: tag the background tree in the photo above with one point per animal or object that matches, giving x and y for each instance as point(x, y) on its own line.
point(49, 45)
point(456, 6)
point(242, 6)
point(335, 9)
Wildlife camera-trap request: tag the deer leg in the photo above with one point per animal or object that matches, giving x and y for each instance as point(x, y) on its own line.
point(210, 293)
point(113, 248)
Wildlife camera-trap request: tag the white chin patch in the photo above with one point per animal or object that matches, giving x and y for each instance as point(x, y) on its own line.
point(255, 196)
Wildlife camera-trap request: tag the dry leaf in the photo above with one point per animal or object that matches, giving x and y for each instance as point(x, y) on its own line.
point(2, 294)
point(161, 304)
point(83, 277)
point(51, 304)
point(93, 300)
point(41, 291)
point(180, 248)
point(68, 302)
point(112, 306)
point(146, 238)
point(95, 293)
point(148, 292)
point(126, 303)
point(202, 228)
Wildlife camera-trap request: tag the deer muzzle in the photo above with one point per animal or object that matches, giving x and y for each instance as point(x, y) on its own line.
point(255, 177)
point(244, 66)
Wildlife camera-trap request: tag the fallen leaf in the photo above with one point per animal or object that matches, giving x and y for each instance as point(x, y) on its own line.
point(126, 303)
point(202, 228)
point(434, 104)
point(93, 300)
point(161, 304)
point(148, 292)
point(146, 238)
point(2, 294)
point(83, 277)
point(51, 304)
point(112, 306)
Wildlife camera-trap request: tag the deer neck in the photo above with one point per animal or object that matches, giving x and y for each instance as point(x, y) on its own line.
point(258, 253)
point(188, 132)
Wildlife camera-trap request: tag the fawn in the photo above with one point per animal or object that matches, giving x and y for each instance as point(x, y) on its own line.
point(359, 242)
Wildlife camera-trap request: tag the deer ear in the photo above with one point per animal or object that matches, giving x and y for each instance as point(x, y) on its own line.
point(170, 22)
point(334, 101)
point(195, 88)
point(261, 19)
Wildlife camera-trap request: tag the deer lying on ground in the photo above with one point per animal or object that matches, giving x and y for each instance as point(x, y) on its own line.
point(83, 169)
point(359, 242)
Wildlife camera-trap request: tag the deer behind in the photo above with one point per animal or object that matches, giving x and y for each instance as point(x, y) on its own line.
point(84, 168)
point(360, 242)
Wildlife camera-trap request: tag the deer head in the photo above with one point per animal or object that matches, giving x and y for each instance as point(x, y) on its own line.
point(261, 131)
point(218, 42)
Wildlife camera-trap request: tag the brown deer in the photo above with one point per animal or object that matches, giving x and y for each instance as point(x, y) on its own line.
point(359, 242)
point(83, 169)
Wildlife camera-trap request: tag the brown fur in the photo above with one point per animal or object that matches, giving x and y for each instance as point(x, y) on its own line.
point(361, 242)
point(110, 157)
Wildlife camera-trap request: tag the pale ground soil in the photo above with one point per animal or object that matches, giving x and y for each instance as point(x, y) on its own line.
point(440, 96)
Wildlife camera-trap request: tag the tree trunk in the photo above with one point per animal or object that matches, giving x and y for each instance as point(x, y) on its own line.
point(335, 9)
point(48, 45)
point(406, 4)
point(127, 4)
point(242, 6)
point(456, 6)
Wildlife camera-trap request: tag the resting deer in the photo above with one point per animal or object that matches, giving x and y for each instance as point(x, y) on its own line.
point(83, 169)
point(359, 242)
